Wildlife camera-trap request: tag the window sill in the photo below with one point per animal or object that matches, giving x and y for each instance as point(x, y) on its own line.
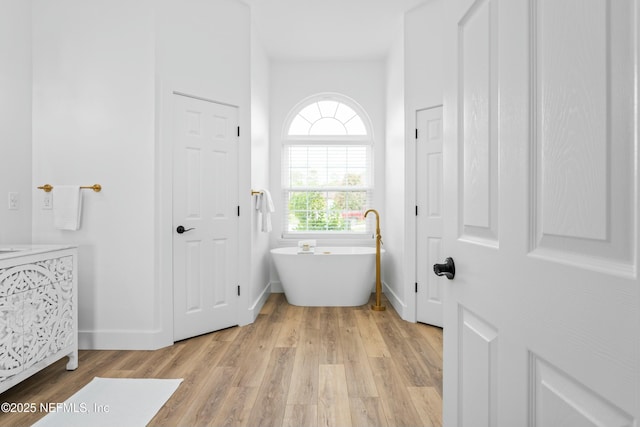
point(290, 240)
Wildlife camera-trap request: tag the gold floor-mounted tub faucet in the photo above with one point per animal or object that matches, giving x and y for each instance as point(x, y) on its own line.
point(378, 306)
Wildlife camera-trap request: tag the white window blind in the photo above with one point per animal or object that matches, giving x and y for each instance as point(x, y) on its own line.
point(327, 171)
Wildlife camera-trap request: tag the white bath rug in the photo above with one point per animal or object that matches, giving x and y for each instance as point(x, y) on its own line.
point(121, 402)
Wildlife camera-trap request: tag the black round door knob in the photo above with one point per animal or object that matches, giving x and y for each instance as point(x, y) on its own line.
point(181, 229)
point(447, 269)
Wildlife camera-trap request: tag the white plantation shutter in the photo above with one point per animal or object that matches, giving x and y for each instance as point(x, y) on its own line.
point(327, 171)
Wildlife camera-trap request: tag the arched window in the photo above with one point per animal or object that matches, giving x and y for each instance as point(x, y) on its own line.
point(327, 117)
point(327, 167)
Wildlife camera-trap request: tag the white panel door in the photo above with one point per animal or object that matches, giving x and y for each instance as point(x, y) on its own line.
point(429, 215)
point(542, 320)
point(205, 191)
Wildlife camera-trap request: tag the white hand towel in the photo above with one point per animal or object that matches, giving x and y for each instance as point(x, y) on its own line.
point(264, 205)
point(67, 207)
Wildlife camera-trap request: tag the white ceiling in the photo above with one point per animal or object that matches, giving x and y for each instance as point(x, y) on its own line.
point(328, 29)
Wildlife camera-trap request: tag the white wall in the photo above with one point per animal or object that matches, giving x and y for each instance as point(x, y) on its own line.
point(291, 82)
point(393, 271)
point(414, 81)
point(93, 122)
point(423, 79)
point(102, 70)
point(15, 120)
point(424, 58)
point(260, 169)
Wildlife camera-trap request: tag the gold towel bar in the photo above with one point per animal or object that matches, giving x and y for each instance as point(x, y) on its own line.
point(95, 187)
point(255, 193)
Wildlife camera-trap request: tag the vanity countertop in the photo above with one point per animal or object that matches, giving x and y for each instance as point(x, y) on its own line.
point(15, 251)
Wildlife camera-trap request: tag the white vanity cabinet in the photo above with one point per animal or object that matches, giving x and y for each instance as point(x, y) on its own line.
point(38, 310)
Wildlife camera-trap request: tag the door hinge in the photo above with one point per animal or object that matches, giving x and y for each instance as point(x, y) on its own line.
point(238, 290)
point(416, 133)
point(238, 130)
point(238, 210)
point(416, 210)
point(416, 287)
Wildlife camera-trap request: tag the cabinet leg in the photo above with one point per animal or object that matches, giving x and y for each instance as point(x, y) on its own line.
point(72, 364)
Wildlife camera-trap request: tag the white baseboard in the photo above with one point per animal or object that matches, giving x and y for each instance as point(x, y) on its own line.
point(396, 302)
point(122, 340)
point(152, 340)
point(255, 308)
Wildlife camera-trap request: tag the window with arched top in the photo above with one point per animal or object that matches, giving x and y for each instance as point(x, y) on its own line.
point(327, 117)
point(327, 168)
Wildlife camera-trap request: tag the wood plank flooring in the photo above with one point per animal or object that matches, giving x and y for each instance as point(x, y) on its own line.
point(294, 366)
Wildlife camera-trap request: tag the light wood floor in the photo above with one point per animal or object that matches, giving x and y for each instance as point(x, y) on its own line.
point(295, 366)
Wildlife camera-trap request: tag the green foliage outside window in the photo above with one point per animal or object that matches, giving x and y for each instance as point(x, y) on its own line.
point(328, 211)
point(311, 214)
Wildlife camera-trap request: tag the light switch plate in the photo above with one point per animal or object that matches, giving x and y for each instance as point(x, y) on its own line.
point(14, 201)
point(47, 201)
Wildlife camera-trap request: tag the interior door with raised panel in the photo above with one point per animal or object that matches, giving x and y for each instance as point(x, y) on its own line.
point(205, 216)
point(429, 215)
point(542, 319)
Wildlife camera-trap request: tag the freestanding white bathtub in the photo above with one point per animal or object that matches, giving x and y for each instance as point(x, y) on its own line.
point(331, 276)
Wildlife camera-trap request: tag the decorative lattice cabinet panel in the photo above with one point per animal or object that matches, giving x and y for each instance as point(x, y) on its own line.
point(38, 313)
